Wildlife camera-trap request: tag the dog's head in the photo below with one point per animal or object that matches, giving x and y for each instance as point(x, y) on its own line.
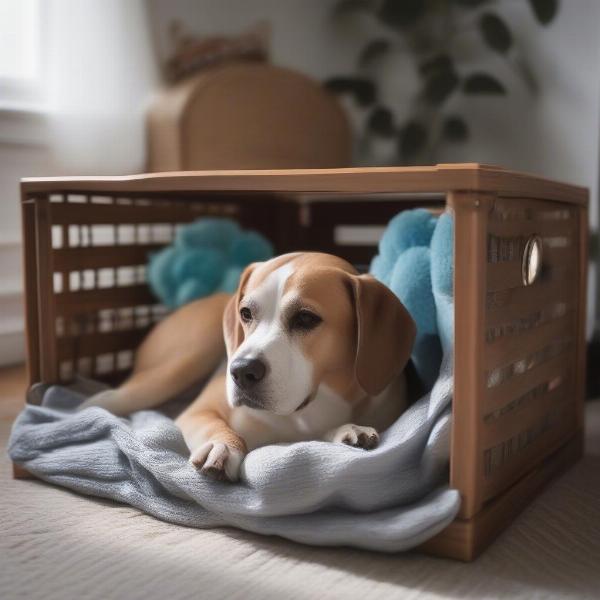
point(306, 319)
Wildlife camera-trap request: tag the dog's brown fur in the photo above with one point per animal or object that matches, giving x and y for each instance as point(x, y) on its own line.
point(358, 351)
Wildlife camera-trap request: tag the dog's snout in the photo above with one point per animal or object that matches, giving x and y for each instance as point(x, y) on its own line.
point(247, 372)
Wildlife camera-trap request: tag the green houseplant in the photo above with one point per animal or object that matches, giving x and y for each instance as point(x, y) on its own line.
point(432, 34)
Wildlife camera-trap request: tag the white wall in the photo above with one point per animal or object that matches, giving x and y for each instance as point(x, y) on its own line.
point(89, 119)
point(554, 134)
point(23, 153)
point(301, 31)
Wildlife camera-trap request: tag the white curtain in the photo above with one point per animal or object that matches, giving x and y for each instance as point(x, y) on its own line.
point(101, 72)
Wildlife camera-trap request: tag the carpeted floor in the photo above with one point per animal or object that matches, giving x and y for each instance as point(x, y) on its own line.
point(56, 545)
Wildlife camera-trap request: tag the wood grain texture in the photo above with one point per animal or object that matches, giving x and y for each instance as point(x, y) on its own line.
point(465, 540)
point(238, 115)
point(470, 240)
point(582, 284)
point(45, 292)
point(57, 545)
point(439, 178)
point(29, 261)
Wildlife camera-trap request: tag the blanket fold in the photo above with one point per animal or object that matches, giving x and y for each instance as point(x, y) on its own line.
point(388, 499)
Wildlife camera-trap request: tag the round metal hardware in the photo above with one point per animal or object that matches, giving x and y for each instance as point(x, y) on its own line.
point(532, 259)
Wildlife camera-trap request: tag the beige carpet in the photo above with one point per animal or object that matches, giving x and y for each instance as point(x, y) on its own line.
point(56, 545)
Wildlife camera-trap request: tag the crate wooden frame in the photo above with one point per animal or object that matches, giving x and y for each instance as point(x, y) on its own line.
point(519, 350)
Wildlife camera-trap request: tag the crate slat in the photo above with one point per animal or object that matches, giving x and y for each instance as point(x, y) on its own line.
point(518, 229)
point(68, 213)
point(46, 301)
point(30, 277)
point(513, 348)
point(98, 257)
point(505, 275)
point(522, 300)
point(512, 315)
point(525, 208)
point(581, 267)
point(88, 301)
point(470, 239)
point(527, 414)
point(548, 442)
point(518, 385)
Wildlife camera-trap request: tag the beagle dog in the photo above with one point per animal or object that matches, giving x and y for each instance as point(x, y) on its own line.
point(313, 351)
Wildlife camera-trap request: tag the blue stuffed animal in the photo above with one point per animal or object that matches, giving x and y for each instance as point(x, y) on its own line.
point(206, 256)
point(415, 261)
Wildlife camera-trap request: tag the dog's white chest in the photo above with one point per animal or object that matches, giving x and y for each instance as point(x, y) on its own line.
point(326, 411)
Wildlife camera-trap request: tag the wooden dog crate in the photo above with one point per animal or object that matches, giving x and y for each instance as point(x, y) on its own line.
point(519, 349)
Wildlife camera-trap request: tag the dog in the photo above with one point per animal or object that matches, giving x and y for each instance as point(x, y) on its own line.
point(309, 350)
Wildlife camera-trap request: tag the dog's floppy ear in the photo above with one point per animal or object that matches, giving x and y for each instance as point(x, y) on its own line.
point(385, 334)
point(232, 326)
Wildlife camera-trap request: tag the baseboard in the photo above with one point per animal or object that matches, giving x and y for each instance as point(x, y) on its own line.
point(10, 259)
point(12, 347)
point(12, 327)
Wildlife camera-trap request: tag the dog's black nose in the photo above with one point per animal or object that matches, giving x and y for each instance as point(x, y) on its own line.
point(247, 372)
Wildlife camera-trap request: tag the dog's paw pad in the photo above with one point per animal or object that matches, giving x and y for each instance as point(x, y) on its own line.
point(217, 461)
point(357, 436)
point(214, 472)
point(367, 440)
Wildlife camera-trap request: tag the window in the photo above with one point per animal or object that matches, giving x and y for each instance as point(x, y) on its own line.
point(20, 55)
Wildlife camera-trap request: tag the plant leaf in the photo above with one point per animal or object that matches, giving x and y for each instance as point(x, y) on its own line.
point(381, 122)
point(482, 83)
point(401, 13)
point(362, 90)
point(495, 32)
point(454, 129)
point(440, 77)
point(440, 85)
point(544, 10)
point(412, 139)
point(373, 50)
point(346, 7)
point(437, 63)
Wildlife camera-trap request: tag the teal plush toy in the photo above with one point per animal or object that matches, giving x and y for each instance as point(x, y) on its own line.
point(415, 261)
point(206, 256)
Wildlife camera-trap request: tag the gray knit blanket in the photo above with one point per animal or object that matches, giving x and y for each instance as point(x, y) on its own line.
point(389, 499)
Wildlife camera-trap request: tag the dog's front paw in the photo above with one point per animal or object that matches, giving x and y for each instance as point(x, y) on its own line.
point(218, 461)
point(356, 436)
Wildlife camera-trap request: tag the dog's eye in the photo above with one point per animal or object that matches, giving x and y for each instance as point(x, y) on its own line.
point(304, 320)
point(246, 314)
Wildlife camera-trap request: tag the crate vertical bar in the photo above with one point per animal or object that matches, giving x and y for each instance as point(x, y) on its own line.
point(45, 291)
point(470, 260)
point(30, 270)
point(583, 266)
